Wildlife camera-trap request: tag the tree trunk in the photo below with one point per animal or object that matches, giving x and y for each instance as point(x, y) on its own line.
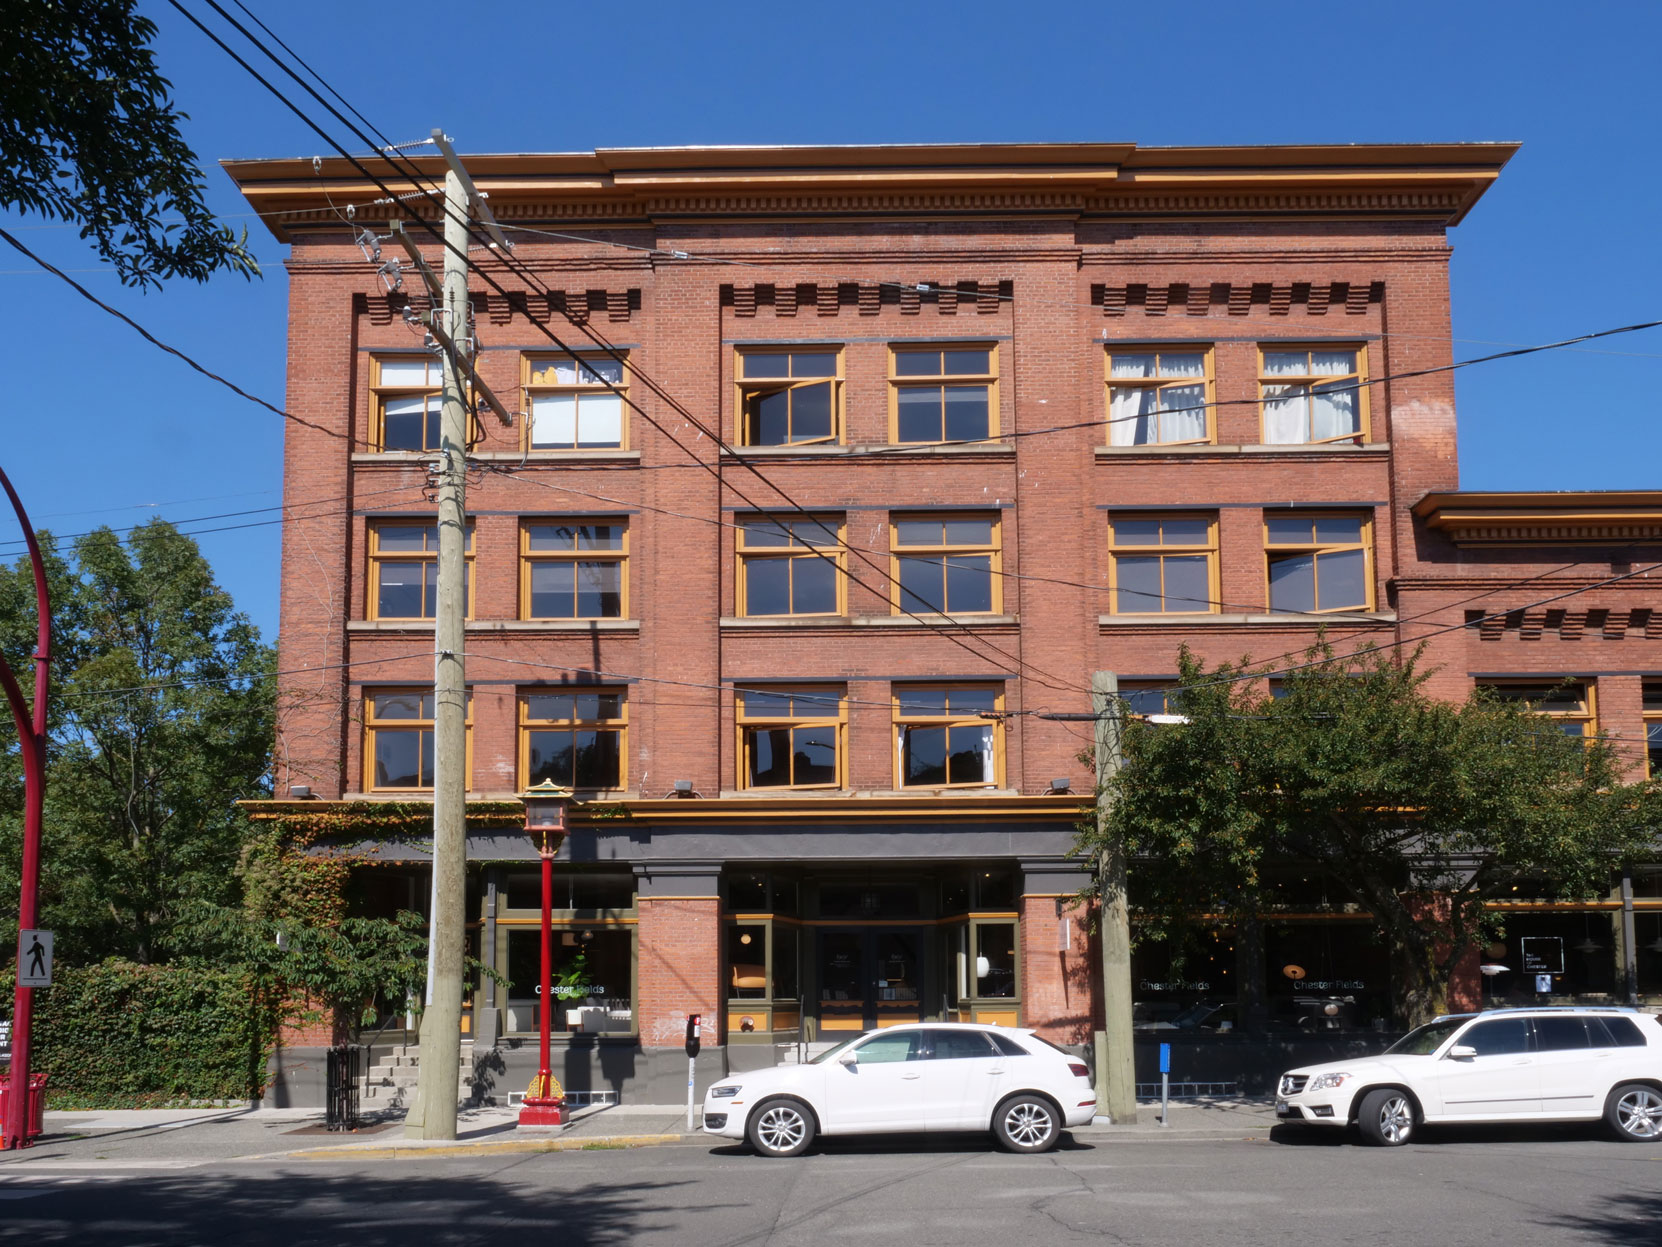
point(1419, 986)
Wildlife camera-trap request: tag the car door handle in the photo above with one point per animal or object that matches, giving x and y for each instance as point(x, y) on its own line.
point(910, 1076)
point(999, 1070)
point(1525, 1061)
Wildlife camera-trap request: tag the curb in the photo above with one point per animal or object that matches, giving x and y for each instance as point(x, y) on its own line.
point(515, 1147)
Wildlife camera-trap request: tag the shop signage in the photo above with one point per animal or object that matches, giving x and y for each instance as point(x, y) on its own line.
point(1542, 954)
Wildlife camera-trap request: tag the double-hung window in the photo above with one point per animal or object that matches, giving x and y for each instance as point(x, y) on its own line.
point(573, 737)
point(791, 737)
point(1313, 395)
point(575, 403)
point(1568, 703)
point(946, 564)
point(943, 393)
point(1163, 564)
point(1318, 562)
point(398, 739)
point(573, 569)
point(948, 736)
point(790, 397)
point(1158, 396)
point(791, 566)
point(404, 570)
point(407, 402)
point(1652, 690)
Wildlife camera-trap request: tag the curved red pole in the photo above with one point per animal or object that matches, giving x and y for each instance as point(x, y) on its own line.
point(31, 732)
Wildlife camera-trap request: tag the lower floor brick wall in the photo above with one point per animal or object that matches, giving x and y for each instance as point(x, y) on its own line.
point(680, 967)
point(1060, 977)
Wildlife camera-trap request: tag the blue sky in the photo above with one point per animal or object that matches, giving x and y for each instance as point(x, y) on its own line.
point(104, 429)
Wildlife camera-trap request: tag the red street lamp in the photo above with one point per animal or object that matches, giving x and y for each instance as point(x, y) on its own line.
point(31, 735)
point(545, 823)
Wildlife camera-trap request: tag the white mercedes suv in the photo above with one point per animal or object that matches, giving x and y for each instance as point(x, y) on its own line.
point(1529, 1065)
point(922, 1076)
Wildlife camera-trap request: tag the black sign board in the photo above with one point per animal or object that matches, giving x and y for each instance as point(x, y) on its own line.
point(1542, 954)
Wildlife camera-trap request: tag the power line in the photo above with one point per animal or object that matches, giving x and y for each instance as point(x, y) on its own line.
point(157, 342)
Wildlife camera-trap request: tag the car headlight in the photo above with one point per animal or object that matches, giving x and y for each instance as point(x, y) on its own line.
point(1322, 1082)
point(723, 1093)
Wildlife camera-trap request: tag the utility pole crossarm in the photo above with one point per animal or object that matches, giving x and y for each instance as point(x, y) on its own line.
point(475, 199)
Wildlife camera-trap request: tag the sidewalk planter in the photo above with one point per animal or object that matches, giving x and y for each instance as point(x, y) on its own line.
point(37, 1103)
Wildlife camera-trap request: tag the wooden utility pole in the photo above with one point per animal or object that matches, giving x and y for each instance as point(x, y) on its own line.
point(433, 1115)
point(1116, 1074)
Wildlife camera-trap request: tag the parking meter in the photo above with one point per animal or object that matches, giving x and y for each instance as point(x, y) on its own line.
point(693, 1032)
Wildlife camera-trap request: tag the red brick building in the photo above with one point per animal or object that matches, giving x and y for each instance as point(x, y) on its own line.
point(832, 473)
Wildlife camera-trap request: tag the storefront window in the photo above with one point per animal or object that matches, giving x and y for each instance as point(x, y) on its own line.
point(593, 981)
point(995, 889)
point(762, 976)
point(573, 890)
point(747, 958)
point(995, 960)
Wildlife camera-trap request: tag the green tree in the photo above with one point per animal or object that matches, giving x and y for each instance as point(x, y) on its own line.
point(161, 721)
point(88, 134)
point(1420, 810)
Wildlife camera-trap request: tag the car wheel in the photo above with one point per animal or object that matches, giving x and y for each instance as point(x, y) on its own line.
point(780, 1128)
point(1386, 1118)
point(1634, 1112)
point(1027, 1123)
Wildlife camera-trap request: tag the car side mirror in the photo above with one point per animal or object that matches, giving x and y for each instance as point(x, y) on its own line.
point(1462, 1052)
point(849, 1059)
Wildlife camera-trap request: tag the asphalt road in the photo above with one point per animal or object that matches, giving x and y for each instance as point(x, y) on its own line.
point(1514, 1187)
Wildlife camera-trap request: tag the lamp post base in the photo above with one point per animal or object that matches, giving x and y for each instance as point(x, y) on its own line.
point(542, 1112)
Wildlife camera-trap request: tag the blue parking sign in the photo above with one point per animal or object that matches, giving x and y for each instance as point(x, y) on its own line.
point(1165, 1058)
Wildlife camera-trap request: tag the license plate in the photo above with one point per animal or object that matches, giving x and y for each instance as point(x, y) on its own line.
point(1281, 1109)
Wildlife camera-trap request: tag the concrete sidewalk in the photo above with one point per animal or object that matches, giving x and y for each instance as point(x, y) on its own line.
point(185, 1138)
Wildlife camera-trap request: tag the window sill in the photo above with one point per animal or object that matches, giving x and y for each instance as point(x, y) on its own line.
point(862, 794)
point(543, 456)
point(482, 626)
point(878, 449)
point(1189, 621)
point(785, 621)
point(1325, 448)
point(923, 620)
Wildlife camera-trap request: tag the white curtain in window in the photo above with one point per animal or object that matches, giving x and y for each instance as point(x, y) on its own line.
point(1131, 415)
point(554, 420)
point(407, 372)
point(602, 420)
point(989, 771)
point(1185, 418)
point(1333, 414)
point(1286, 416)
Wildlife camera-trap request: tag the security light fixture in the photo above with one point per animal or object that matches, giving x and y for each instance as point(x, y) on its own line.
point(683, 788)
point(1060, 784)
point(300, 791)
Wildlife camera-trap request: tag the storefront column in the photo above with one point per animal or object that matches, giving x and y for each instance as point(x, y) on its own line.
point(487, 1020)
point(679, 949)
point(1060, 989)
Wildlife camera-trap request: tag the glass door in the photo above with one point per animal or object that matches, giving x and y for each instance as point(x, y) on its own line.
point(869, 978)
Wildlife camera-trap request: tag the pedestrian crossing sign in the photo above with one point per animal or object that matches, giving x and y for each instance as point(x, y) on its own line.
point(34, 959)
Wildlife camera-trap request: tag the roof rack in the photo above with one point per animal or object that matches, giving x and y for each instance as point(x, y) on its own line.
point(1563, 1009)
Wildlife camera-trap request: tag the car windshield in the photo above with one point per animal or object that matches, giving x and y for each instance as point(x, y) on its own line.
point(830, 1054)
point(1424, 1040)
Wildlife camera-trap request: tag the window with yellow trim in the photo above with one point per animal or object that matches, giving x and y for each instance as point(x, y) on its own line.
point(404, 569)
point(1318, 562)
point(408, 398)
point(1653, 728)
point(575, 402)
point(398, 740)
point(1163, 564)
point(791, 737)
point(949, 736)
point(1568, 703)
point(943, 393)
point(789, 397)
point(948, 564)
point(575, 737)
point(1313, 395)
point(1159, 396)
point(573, 569)
point(791, 566)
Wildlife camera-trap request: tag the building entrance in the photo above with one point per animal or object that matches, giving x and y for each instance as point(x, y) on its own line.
point(869, 977)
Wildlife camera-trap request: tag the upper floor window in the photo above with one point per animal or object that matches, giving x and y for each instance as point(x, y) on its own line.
point(1144, 697)
point(948, 564)
point(1318, 562)
point(407, 402)
point(1569, 703)
point(1158, 396)
point(573, 737)
point(791, 566)
point(404, 570)
point(791, 738)
point(574, 403)
point(789, 397)
point(948, 737)
point(398, 739)
point(1163, 563)
point(1312, 395)
point(573, 569)
point(943, 394)
point(1653, 728)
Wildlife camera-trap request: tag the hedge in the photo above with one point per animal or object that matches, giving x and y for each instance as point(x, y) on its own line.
point(120, 1035)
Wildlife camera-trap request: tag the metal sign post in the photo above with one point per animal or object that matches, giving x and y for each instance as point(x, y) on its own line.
point(1165, 1084)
